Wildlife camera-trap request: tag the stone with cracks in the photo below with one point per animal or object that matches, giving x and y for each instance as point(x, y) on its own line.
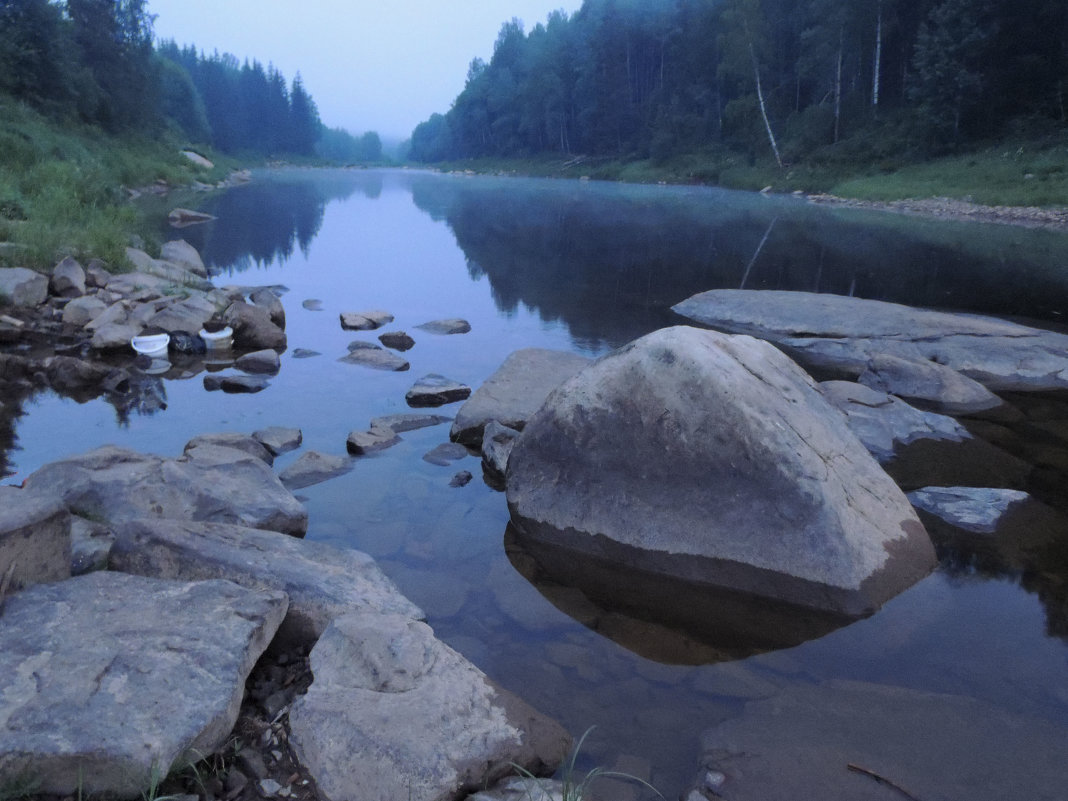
point(211, 484)
point(186, 315)
point(713, 459)
point(436, 390)
point(932, 385)
point(314, 467)
point(109, 679)
point(266, 299)
point(395, 713)
point(834, 332)
point(34, 540)
point(515, 391)
point(365, 320)
point(22, 287)
point(497, 443)
point(322, 582)
point(68, 279)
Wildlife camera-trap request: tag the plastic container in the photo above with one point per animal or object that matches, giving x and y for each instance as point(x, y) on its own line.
point(217, 340)
point(151, 344)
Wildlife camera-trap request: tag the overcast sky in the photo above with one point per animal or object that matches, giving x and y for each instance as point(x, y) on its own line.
point(385, 65)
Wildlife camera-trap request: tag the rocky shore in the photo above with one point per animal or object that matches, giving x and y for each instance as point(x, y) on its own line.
point(945, 208)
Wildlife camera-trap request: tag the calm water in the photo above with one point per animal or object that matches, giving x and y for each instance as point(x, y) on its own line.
point(585, 267)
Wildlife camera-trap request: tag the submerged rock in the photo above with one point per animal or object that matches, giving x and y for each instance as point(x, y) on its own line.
point(368, 354)
point(314, 467)
point(714, 459)
point(361, 443)
point(279, 440)
point(365, 320)
point(453, 325)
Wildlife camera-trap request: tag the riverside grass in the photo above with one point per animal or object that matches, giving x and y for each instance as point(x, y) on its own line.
point(62, 187)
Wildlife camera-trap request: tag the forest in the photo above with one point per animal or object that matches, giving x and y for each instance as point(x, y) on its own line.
point(877, 82)
point(96, 61)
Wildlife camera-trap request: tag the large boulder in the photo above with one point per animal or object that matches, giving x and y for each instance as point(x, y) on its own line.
point(166, 270)
point(834, 332)
point(68, 279)
point(515, 391)
point(266, 299)
point(395, 713)
point(22, 287)
point(322, 582)
point(714, 459)
point(34, 540)
point(182, 254)
point(253, 327)
point(188, 315)
point(108, 680)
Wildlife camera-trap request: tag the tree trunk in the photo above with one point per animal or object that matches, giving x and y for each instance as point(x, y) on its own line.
point(877, 67)
point(763, 106)
point(838, 86)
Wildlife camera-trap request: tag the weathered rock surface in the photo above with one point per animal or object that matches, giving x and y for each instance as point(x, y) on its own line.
point(452, 325)
point(253, 328)
point(106, 678)
point(322, 582)
point(408, 421)
point(445, 454)
point(497, 443)
point(90, 545)
point(187, 315)
point(515, 391)
point(236, 384)
point(714, 459)
point(380, 678)
point(211, 484)
point(436, 390)
point(68, 279)
point(368, 354)
point(34, 540)
point(378, 438)
point(844, 333)
point(82, 311)
point(929, 384)
point(933, 745)
point(314, 467)
point(22, 287)
point(115, 336)
point(144, 263)
point(520, 788)
point(267, 300)
point(182, 254)
point(397, 340)
point(259, 362)
point(365, 320)
point(279, 440)
point(228, 439)
point(974, 509)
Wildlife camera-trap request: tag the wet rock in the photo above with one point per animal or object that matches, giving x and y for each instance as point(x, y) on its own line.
point(22, 287)
point(520, 788)
point(249, 445)
point(449, 326)
point(446, 453)
point(497, 443)
point(398, 340)
point(184, 343)
point(96, 274)
point(367, 354)
point(253, 328)
point(69, 374)
point(928, 384)
point(90, 546)
point(314, 467)
point(361, 443)
point(365, 320)
point(715, 460)
point(461, 479)
point(378, 678)
point(260, 361)
point(115, 336)
point(408, 421)
point(974, 509)
point(279, 440)
point(34, 540)
point(305, 353)
point(109, 679)
point(436, 390)
point(68, 279)
point(312, 304)
point(240, 384)
point(322, 582)
point(266, 299)
point(182, 254)
point(515, 391)
point(82, 311)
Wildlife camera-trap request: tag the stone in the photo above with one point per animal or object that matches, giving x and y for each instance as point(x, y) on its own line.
point(211, 484)
point(130, 285)
point(236, 384)
point(198, 159)
point(90, 546)
point(22, 287)
point(497, 443)
point(449, 326)
point(253, 328)
point(115, 336)
point(365, 320)
point(932, 745)
point(408, 421)
point(68, 279)
point(397, 340)
point(182, 254)
point(444, 454)
point(278, 440)
point(143, 263)
point(109, 679)
point(312, 304)
point(96, 274)
point(932, 385)
point(68, 374)
point(116, 313)
point(436, 390)
point(314, 467)
point(305, 353)
point(523, 788)
point(461, 479)
point(188, 315)
point(266, 299)
point(378, 679)
point(184, 343)
point(974, 509)
point(367, 354)
point(361, 443)
point(322, 582)
point(241, 442)
point(34, 540)
point(82, 311)
point(834, 332)
point(180, 218)
point(259, 361)
point(515, 391)
point(714, 459)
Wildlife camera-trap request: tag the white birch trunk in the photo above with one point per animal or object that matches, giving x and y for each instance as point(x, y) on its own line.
point(838, 86)
point(877, 69)
point(763, 107)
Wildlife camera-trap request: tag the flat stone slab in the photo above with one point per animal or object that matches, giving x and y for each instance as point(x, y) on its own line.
point(322, 582)
point(515, 391)
point(932, 385)
point(106, 678)
point(279, 440)
point(933, 746)
point(445, 454)
point(408, 421)
point(361, 443)
point(314, 467)
point(228, 439)
point(365, 320)
point(974, 509)
point(394, 713)
point(843, 333)
point(436, 390)
point(35, 544)
point(452, 325)
point(368, 354)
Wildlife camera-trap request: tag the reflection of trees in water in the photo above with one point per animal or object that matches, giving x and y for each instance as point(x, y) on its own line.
point(267, 220)
point(611, 260)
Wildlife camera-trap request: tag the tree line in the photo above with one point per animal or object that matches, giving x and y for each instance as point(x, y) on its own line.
point(783, 79)
point(96, 60)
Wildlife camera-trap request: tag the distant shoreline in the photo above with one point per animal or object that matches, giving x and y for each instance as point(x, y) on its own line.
point(949, 209)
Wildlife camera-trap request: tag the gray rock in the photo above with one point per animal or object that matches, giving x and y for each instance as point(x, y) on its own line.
point(115, 314)
point(34, 540)
point(90, 546)
point(929, 384)
point(96, 274)
point(461, 479)
point(82, 311)
point(378, 679)
point(398, 340)
point(181, 253)
point(219, 485)
point(107, 678)
point(833, 332)
point(187, 315)
point(250, 445)
point(322, 582)
point(365, 320)
point(314, 467)
point(236, 384)
point(515, 391)
point(116, 336)
point(497, 443)
point(931, 745)
point(279, 440)
point(970, 508)
point(143, 263)
point(253, 328)
point(305, 353)
point(452, 325)
point(312, 304)
point(266, 299)
point(361, 443)
point(714, 459)
point(408, 421)
point(68, 374)
point(367, 354)
point(436, 390)
point(68, 279)
point(444, 454)
point(259, 361)
point(22, 287)
point(133, 284)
